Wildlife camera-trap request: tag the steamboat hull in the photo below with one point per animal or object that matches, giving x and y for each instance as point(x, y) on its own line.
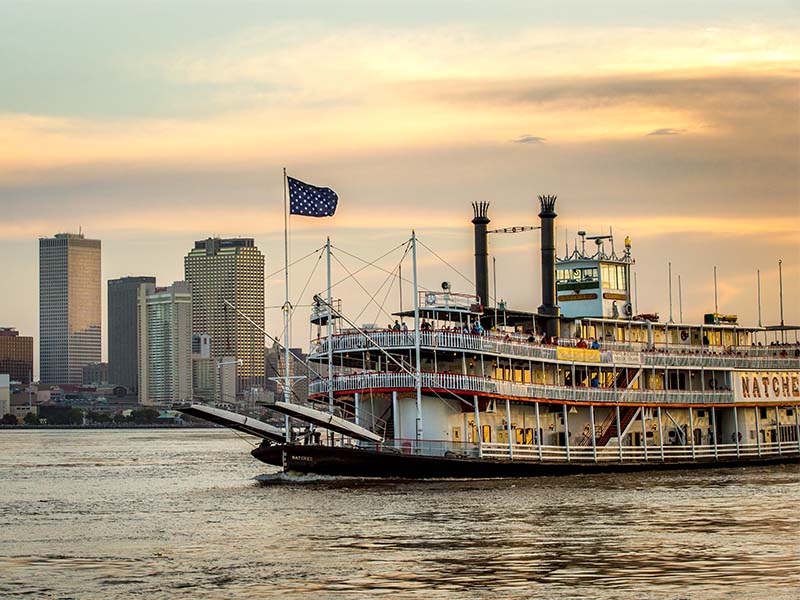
point(356, 462)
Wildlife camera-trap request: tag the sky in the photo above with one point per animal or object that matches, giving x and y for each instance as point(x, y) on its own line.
point(152, 124)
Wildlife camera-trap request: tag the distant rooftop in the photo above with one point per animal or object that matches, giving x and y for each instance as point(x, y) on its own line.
point(224, 243)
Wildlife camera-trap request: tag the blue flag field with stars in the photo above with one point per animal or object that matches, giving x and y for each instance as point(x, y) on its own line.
point(311, 201)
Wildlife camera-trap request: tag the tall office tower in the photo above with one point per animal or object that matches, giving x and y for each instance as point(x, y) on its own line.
point(231, 270)
point(69, 307)
point(123, 365)
point(16, 355)
point(165, 343)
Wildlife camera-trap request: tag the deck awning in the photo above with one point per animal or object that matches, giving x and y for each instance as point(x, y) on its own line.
point(235, 421)
point(325, 420)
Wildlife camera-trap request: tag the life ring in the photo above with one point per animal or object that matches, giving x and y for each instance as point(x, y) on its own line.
point(684, 335)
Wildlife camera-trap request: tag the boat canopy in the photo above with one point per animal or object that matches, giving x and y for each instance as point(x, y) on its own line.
point(326, 421)
point(235, 421)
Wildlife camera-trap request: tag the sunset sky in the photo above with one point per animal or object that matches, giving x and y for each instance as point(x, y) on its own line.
point(152, 124)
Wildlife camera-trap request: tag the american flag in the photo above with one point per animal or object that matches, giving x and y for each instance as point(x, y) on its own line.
point(311, 201)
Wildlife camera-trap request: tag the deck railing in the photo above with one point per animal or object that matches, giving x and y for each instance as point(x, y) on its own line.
point(636, 453)
point(471, 384)
point(517, 346)
point(579, 454)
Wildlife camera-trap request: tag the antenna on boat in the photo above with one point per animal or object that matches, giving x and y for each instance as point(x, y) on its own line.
point(669, 266)
point(780, 286)
point(758, 274)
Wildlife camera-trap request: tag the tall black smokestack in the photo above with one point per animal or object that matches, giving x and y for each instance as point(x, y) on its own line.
point(481, 220)
point(549, 306)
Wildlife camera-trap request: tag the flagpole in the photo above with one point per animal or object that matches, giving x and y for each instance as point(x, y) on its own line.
point(417, 343)
point(286, 306)
point(330, 328)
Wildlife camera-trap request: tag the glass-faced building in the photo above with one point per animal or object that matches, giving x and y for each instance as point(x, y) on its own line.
point(231, 270)
point(123, 366)
point(69, 307)
point(165, 343)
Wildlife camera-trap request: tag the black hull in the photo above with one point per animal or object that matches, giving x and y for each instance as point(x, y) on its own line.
point(354, 462)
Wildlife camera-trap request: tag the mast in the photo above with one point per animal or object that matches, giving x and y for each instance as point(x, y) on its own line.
point(416, 339)
point(330, 328)
point(286, 304)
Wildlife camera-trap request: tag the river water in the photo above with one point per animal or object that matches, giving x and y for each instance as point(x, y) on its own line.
point(189, 514)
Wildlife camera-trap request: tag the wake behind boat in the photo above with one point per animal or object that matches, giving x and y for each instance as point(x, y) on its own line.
point(582, 385)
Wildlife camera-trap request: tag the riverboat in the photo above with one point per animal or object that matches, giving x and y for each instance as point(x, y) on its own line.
point(581, 385)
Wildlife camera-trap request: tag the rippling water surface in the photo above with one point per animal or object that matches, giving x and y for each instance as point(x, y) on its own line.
point(189, 514)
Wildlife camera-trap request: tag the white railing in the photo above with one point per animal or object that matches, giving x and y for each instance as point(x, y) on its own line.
point(636, 453)
point(517, 346)
point(484, 385)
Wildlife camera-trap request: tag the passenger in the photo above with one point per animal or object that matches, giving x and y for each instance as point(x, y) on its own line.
point(396, 326)
point(581, 343)
point(425, 326)
point(595, 344)
point(595, 381)
point(404, 326)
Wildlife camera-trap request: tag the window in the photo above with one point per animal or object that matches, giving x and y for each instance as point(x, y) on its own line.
point(576, 275)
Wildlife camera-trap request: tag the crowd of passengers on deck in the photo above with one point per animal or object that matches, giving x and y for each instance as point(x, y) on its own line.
point(520, 335)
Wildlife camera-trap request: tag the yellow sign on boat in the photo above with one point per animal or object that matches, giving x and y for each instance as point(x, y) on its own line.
point(577, 354)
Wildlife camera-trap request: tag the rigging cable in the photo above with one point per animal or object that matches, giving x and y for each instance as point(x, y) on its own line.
point(467, 279)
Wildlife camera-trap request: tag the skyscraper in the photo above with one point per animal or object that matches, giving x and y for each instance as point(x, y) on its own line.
point(69, 307)
point(231, 270)
point(165, 343)
point(123, 366)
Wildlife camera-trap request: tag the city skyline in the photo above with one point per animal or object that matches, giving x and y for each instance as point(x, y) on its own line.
point(676, 125)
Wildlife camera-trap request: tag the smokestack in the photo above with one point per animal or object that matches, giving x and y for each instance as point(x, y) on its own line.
point(481, 220)
point(549, 306)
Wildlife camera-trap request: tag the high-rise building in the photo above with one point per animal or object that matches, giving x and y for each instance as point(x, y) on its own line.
point(213, 379)
point(165, 343)
point(95, 374)
point(123, 366)
point(16, 355)
point(231, 270)
point(69, 307)
point(275, 363)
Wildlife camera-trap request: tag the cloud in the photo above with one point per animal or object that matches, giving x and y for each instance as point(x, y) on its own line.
point(666, 131)
point(529, 139)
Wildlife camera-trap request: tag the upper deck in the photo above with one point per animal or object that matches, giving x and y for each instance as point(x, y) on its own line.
point(522, 347)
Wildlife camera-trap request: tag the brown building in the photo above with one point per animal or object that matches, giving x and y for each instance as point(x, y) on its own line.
point(95, 374)
point(16, 355)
